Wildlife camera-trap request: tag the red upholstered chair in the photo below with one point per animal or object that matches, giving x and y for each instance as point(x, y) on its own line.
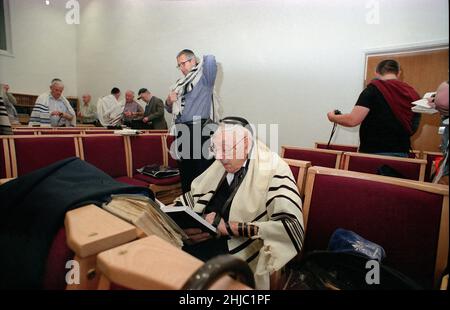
point(109, 154)
point(410, 168)
point(337, 147)
point(151, 149)
point(5, 161)
point(317, 157)
point(299, 169)
point(409, 219)
point(32, 153)
point(430, 157)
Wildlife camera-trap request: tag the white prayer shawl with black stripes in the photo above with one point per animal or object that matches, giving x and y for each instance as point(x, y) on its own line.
point(40, 116)
point(268, 197)
point(186, 85)
point(5, 124)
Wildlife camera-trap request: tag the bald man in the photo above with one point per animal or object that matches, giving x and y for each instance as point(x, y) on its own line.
point(88, 110)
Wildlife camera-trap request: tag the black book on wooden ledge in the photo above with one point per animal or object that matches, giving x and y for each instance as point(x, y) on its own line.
point(158, 172)
point(186, 218)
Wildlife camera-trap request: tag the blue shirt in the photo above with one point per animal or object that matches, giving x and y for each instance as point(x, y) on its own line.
point(57, 105)
point(198, 101)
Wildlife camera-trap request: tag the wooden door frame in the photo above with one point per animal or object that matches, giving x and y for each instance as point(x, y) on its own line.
point(402, 49)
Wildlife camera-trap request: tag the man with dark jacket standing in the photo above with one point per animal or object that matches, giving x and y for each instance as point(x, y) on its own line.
point(154, 110)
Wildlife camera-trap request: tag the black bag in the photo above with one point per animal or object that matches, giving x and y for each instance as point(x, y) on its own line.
point(389, 172)
point(159, 172)
point(326, 270)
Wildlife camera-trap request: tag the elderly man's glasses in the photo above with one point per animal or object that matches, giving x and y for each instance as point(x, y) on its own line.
point(183, 63)
point(224, 153)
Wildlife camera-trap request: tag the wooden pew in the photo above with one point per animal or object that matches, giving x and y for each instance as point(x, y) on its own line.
point(152, 264)
point(91, 230)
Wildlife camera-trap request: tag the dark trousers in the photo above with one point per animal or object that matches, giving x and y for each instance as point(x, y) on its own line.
point(191, 168)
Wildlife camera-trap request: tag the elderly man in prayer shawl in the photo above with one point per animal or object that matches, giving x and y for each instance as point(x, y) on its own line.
point(53, 109)
point(110, 109)
point(250, 195)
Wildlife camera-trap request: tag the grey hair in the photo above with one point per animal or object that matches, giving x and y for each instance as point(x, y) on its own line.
point(187, 53)
point(56, 82)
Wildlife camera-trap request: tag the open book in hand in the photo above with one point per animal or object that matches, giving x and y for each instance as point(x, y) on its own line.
point(422, 106)
point(159, 172)
point(186, 218)
point(149, 216)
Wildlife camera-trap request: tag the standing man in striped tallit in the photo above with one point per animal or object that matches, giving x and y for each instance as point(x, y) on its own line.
point(250, 195)
point(194, 105)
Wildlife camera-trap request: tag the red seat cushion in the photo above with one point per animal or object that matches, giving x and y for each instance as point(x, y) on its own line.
point(151, 180)
point(316, 158)
point(370, 165)
point(337, 147)
point(106, 153)
point(405, 222)
point(36, 153)
point(132, 181)
point(59, 255)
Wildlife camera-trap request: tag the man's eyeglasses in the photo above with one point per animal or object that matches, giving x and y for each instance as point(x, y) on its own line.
point(224, 153)
point(183, 62)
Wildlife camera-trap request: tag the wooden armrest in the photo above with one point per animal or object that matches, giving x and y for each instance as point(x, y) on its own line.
point(444, 283)
point(91, 230)
point(3, 181)
point(151, 263)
